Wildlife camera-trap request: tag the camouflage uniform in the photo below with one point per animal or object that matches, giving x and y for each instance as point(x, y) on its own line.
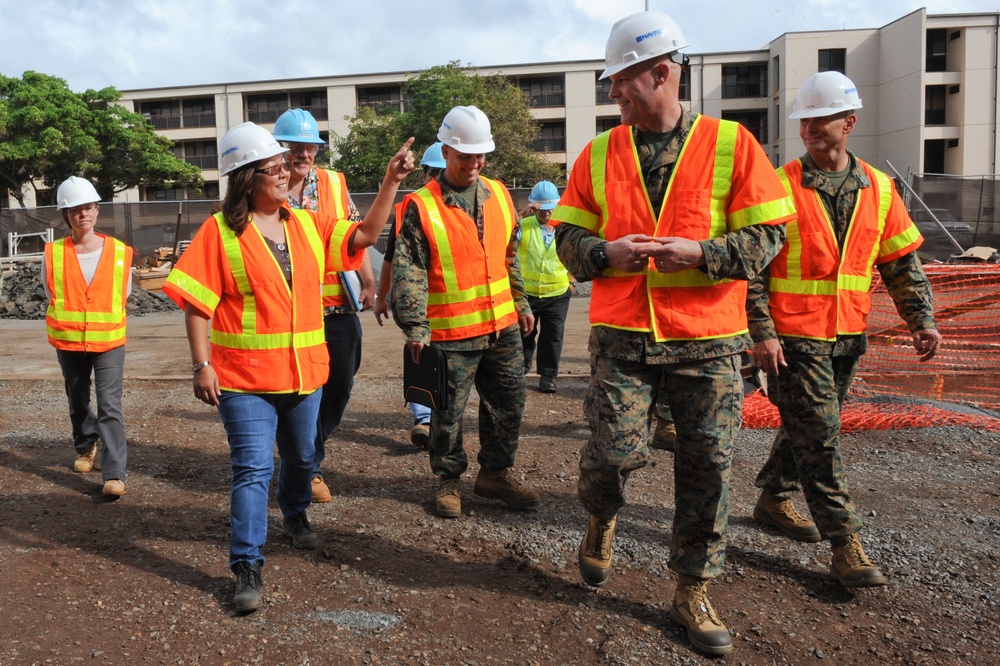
point(810, 392)
point(493, 363)
point(699, 380)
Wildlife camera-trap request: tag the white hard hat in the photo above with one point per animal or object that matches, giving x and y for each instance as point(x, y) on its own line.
point(75, 191)
point(467, 130)
point(824, 94)
point(244, 144)
point(641, 37)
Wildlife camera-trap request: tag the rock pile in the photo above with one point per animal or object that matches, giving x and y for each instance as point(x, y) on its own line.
point(22, 295)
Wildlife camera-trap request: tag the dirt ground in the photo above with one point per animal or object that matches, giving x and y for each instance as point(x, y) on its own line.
point(144, 579)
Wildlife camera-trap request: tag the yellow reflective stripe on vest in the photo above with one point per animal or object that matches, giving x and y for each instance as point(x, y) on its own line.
point(441, 236)
point(599, 181)
point(269, 340)
point(577, 217)
point(206, 297)
point(691, 277)
point(312, 235)
point(722, 178)
point(87, 335)
point(338, 195)
point(479, 317)
point(458, 297)
point(231, 246)
point(793, 238)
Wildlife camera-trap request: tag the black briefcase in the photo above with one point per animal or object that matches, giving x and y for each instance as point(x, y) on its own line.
point(426, 384)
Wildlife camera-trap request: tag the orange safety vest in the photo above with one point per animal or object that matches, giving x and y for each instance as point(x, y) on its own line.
point(266, 337)
point(721, 182)
point(331, 189)
point(819, 291)
point(468, 291)
point(81, 317)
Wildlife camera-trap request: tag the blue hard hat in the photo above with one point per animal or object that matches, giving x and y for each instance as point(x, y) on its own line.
point(545, 194)
point(297, 126)
point(433, 158)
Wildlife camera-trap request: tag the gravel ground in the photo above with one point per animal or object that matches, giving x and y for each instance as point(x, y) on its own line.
point(144, 579)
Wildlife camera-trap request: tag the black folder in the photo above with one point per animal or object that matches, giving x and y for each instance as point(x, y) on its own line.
point(426, 384)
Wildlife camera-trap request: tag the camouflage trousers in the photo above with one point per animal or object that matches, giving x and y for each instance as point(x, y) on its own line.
point(705, 398)
point(498, 375)
point(809, 395)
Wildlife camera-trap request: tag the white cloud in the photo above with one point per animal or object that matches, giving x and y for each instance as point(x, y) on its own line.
point(154, 43)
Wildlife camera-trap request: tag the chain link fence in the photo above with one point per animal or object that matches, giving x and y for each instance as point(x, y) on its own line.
point(966, 205)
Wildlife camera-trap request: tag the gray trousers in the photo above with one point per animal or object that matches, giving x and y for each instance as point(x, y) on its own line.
point(109, 424)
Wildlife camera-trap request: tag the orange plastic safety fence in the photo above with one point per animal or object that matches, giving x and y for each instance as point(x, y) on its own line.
point(758, 412)
point(966, 368)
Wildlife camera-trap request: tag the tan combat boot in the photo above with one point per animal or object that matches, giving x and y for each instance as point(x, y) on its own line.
point(692, 610)
point(664, 436)
point(85, 461)
point(782, 515)
point(449, 498)
point(851, 566)
point(499, 484)
point(596, 551)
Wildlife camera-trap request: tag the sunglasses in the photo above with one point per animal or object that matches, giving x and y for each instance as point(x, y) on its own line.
point(275, 169)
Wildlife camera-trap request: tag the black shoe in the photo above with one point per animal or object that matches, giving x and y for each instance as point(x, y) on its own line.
point(248, 584)
point(303, 535)
point(547, 384)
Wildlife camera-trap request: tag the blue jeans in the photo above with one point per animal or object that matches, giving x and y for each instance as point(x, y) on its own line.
point(421, 413)
point(254, 421)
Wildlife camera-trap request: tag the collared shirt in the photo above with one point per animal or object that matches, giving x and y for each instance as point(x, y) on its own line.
point(413, 257)
point(904, 277)
point(310, 198)
point(737, 255)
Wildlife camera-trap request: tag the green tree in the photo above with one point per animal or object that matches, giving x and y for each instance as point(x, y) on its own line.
point(372, 139)
point(48, 133)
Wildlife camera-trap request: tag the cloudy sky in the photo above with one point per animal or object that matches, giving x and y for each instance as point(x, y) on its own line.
point(133, 44)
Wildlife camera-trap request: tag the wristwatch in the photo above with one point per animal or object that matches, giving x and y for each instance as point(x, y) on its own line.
point(598, 256)
point(198, 366)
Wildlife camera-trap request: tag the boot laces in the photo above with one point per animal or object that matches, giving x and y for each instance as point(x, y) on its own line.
point(250, 577)
point(854, 553)
point(788, 508)
point(701, 607)
point(601, 542)
point(449, 487)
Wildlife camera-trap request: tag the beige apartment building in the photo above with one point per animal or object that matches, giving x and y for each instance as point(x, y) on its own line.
point(928, 83)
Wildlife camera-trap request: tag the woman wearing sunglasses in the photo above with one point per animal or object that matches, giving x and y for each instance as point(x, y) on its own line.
point(255, 269)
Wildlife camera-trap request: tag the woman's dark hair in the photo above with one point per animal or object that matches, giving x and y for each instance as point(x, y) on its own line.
point(236, 205)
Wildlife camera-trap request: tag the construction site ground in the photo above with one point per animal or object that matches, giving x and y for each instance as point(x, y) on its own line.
point(144, 580)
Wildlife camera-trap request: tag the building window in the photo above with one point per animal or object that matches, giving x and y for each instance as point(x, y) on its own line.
point(934, 156)
point(198, 112)
point(210, 191)
point(602, 91)
point(544, 91)
point(199, 153)
point(551, 139)
point(832, 60)
point(777, 121)
point(777, 74)
point(953, 143)
point(744, 81)
point(953, 90)
point(4, 198)
point(937, 50)
point(604, 124)
point(934, 105)
point(313, 101)
point(684, 90)
point(266, 108)
point(162, 114)
point(754, 121)
point(384, 99)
